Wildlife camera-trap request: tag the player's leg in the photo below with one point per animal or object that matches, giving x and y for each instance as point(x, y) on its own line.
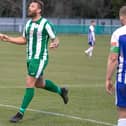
point(48, 85)
point(89, 50)
point(32, 67)
point(51, 86)
point(29, 93)
point(121, 103)
point(121, 116)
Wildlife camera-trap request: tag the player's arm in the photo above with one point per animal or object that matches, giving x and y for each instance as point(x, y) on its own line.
point(16, 40)
point(111, 65)
point(54, 40)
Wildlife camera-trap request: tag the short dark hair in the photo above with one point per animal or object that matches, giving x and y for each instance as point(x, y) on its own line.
point(122, 11)
point(40, 4)
point(92, 21)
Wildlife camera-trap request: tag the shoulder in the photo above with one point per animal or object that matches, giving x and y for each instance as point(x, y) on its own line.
point(27, 24)
point(28, 21)
point(46, 21)
point(91, 28)
point(120, 31)
point(117, 33)
point(43, 21)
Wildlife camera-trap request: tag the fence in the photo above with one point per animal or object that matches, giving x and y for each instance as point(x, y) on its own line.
point(69, 26)
point(83, 29)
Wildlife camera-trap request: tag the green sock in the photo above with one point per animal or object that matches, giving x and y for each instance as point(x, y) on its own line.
point(50, 86)
point(27, 99)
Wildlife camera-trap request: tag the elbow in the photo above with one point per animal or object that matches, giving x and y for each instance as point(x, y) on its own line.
point(24, 41)
point(114, 59)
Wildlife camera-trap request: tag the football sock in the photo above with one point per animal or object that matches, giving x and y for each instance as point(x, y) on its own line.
point(27, 99)
point(50, 86)
point(90, 54)
point(122, 122)
point(91, 51)
point(87, 51)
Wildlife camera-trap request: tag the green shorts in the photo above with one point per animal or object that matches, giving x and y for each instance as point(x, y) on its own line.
point(35, 67)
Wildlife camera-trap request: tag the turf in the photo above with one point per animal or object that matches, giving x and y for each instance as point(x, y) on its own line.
point(68, 66)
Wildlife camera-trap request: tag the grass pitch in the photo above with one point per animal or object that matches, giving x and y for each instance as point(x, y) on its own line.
point(89, 104)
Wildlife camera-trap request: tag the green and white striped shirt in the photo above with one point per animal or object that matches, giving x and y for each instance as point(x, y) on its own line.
point(37, 35)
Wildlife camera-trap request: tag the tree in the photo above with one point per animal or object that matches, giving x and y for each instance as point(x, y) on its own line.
point(10, 8)
point(67, 8)
point(116, 4)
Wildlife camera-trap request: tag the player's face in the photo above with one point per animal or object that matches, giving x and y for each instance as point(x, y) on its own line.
point(33, 9)
point(122, 19)
point(94, 23)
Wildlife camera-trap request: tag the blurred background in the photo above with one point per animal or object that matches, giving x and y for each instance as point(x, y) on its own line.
point(68, 16)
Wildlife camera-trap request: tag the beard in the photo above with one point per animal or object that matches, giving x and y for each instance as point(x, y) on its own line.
point(31, 14)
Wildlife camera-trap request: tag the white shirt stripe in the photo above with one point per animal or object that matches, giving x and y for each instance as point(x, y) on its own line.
point(120, 77)
point(26, 28)
point(31, 40)
point(41, 66)
point(125, 79)
point(120, 69)
point(50, 31)
point(39, 38)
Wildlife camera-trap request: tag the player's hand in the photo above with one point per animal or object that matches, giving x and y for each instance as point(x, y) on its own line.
point(1, 36)
point(4, 37)
point(54, 45)
point(109, 87)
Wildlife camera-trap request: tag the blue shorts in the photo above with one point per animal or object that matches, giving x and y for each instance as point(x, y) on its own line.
point(121, 95)
point(91, 43)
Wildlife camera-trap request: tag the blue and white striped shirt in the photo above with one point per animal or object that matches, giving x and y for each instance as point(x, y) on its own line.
point(118, 39)
point(91, 34)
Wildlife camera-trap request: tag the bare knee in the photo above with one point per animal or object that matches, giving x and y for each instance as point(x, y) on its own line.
point(40, 83)
point(122, 112)
point(30, 82)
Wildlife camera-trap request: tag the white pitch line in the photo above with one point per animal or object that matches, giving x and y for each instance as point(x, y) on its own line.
point(62, 115)
point(76, 86)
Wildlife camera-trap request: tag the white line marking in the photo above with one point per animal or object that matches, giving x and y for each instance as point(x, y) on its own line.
point(62, 115)
point(76, 86)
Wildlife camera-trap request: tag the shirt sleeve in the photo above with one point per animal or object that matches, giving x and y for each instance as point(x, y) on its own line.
point(50, 29)
point(115, 43)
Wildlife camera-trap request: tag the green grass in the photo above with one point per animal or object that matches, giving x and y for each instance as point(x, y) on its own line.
point(69, 66)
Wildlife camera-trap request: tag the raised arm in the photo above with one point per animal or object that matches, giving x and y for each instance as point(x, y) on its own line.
point(16, 40)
